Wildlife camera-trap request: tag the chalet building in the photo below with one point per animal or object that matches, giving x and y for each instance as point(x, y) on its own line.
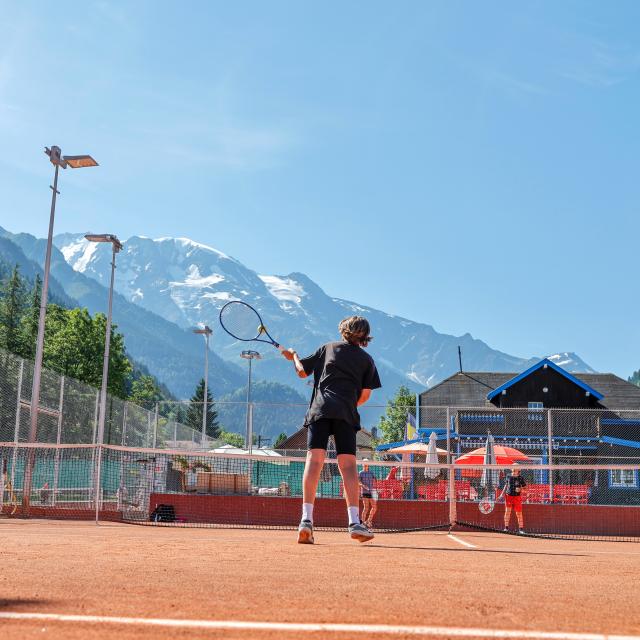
point(582, 418)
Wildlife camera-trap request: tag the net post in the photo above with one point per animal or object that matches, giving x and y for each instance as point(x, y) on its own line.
point(550, 454)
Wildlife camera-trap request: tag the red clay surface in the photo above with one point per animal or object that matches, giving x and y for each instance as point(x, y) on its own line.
point(251, 574)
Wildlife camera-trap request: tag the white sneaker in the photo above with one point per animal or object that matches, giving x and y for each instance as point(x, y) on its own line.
point(360, 532)
point(305, 532)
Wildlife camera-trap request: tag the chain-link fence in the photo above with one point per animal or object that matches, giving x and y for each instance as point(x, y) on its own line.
point(68, 413)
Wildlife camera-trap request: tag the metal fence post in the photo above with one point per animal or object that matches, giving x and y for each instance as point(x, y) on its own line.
point(452, 482)
point(155, 427)
point(124, 424)
point(56, 464)
point(550, 454)
point(16, 431)
point(250, 445)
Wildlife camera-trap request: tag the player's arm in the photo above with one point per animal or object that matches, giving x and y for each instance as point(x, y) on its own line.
point(292, 355)
point(365, 394)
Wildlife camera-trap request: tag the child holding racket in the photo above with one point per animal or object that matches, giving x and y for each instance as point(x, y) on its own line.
point(343, 377)
point(512, 493)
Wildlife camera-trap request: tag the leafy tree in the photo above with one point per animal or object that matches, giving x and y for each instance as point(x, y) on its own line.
point(74, 346)
point(635, 377)
point(234, 439)
point(393, 424)
point(280, 439)
point(194, 412)
point(145, 392)
point(12, 307)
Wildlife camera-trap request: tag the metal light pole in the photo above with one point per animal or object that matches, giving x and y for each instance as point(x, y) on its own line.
point(206, 332)
point(250, 356)
point(58, 160)
point(116, 246)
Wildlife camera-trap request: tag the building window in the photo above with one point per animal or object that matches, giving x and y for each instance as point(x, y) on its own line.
point(623, 478)
point(538, 407)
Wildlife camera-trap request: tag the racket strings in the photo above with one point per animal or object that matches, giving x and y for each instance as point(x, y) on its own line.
point(241, 321)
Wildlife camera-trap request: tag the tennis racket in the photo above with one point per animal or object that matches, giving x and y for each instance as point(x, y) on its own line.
point(242, 322)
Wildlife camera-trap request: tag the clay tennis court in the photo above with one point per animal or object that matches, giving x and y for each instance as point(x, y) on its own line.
point(427, 584)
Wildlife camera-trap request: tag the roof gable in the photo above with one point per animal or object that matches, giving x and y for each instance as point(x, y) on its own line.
point(544, 363)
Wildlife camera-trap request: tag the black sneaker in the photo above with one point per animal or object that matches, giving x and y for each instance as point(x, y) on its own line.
point(360, 532)
point(305, 532)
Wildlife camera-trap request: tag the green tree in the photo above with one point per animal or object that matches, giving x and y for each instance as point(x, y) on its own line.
point(635, 377)
point(74, 346)
point(234, 439)
point(194, 412)
point(280, 439)
point(12, 308)
point(145, 392)
point(393, 424)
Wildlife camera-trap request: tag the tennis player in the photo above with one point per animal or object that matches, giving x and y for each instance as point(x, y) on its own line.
point(369, 494)
point(512, 492)
point(343, 377)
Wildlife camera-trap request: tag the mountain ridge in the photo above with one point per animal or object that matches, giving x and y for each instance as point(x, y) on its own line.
point(188, 282)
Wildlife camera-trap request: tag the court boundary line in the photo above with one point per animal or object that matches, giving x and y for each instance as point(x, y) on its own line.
point(376, 629)
point(461, 541)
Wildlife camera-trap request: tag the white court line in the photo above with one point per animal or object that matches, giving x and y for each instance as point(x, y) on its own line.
point(383, 629)
point(461, 541)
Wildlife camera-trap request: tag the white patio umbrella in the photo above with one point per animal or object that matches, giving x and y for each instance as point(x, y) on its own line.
point(432, 458)
point(490, 477)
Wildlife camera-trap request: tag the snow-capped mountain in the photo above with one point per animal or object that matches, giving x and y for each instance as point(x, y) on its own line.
point(187, 283)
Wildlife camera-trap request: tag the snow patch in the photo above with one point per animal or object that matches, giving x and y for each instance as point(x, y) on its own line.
point(82, 262)
point(138, 295)
point(187, 242)
point(219, 295)
point(70, 251)
point(284, 289)
point(196, 280)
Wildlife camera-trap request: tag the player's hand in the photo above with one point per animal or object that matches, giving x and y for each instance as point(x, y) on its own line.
point(288, 353)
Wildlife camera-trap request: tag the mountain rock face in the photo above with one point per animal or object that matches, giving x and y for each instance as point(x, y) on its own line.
point(187, 283)
point(173, 354)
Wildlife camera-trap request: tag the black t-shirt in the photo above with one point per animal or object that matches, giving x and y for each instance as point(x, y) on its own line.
point(513, 483)
point(340, 372)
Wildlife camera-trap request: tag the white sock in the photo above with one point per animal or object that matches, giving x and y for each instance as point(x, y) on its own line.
point(307, 511)
point(354, 515)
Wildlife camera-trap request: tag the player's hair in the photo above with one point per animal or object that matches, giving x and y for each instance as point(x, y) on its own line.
point(355, 330)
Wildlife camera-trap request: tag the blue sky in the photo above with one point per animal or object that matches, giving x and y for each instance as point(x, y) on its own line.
point(469, 165)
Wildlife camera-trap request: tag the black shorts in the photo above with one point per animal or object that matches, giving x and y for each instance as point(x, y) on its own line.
point(367, 494)
point(343, 433)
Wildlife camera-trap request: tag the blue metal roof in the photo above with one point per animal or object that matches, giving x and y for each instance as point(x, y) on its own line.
point(401, 443)
point(625, 443)
point(545, 361)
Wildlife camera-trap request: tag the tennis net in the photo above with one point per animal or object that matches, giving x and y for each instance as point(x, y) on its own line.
point(212, 489)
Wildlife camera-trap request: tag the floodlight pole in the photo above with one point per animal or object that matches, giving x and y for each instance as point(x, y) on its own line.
point(115, 248)
point(58, 160)
point(206, 332)
point(37, 367)
point(250, 356)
